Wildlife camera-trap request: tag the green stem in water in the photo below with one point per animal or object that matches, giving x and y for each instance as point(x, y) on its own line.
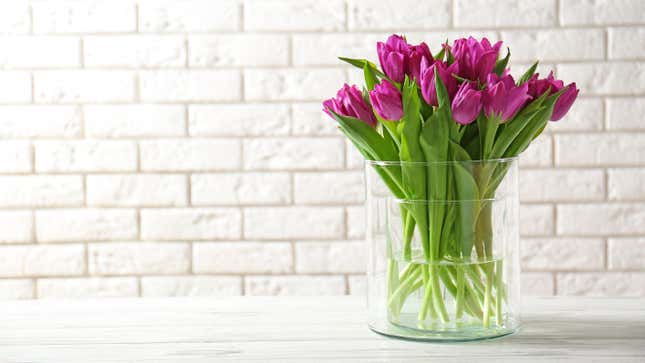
point(488, 295)
point(459, 300)
point(408, 233)
point(499, 288)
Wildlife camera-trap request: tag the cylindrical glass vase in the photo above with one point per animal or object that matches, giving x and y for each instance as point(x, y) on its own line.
point(443, 243)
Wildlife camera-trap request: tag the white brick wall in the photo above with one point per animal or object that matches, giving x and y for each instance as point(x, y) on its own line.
point(178, 148)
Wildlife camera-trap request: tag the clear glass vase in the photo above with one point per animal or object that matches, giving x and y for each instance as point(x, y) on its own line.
point(443, 249)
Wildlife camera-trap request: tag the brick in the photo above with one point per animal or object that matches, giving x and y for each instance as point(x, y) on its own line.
point(615, 78)
point(555, 45)
point(85, 155)
point(160, 286)
point(562, 185)
point(242, 257)
point(16, 87)
point(537, 284)
point(601, 219)
point(625, 284)
point(310, 120)
point(92, 287)
point(16, 227)
point(353, 158)
point(15, 156)
point(15, 18)
point(88, 224)
point(626, 253)
point(331, 257)
point(193, 154)
point(40, 122)
point(598, 12)
point(290, 15)
point(324, 49)
point(612, 149)
point(383, 15)
point(585, 114)
point(293, 222)
point(625, 113)
point(41, 190)
point(137, 190)
point(539, 152)
point(626, 184)
point(194, 223)
point(190, 86)
point(239, 120)
point(134, 51)
point(16, 289)
point(38, 260)
point(240, 188)
point(126, 258)
point(501, 13)
point(328, 187)
point(293, 153)
point(357, 285)
point(39, 52)
point(238, 50)
point(292, 84)
point(356, 222)
point(189, 16)
point(76, 86)
point(294, 285)
point(536, 220)
point(100, 16)
point(563, 254)
point(627, 43)
point(114, 121)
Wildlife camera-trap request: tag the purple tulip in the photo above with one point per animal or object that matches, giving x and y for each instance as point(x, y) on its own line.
point(564, 102)
point(398, 58)
point(393, 55)
point(467, 104)
point(426, 81)
point(538, 86)
point(476, 59)
point(503, 98)
point(386, 100)
point(418, 56)
point(349, 102)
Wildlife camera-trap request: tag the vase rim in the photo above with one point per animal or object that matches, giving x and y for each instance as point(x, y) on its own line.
point(447, 162)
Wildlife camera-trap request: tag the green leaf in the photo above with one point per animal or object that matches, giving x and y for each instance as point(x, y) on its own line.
point(468, 196)
point(414, 174)
point(528, 74)
point(441, 53)
point(500, 65)
point(370, 77)
point(537, 122)
point(515, 126)
point(487, 130)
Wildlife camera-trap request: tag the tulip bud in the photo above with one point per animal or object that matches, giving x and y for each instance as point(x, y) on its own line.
point(349, 102)
point(419, 55)
point(467, 104)
point(476, 59)
point(393, 55)
point(538, 86)
point(427, 84)
point(503, 98)
point(386, 101)
point(564, 102)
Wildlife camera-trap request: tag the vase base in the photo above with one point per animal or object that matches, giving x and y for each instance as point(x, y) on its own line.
point(448, 335)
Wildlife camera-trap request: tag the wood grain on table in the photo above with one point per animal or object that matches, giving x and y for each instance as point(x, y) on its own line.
point(299, 329)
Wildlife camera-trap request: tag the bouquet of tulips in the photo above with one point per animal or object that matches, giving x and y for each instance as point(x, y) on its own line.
point(459, 104)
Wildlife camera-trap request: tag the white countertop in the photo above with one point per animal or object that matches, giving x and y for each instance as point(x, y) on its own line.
point(295, 329)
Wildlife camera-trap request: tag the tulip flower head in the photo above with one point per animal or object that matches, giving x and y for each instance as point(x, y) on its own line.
point(349, 102)
point(467, 104)
point(426, 80)
point(398, 58)
point(386, 100)
point(564, 102)
point(538, 86)
point(503, 98)
point(476, 59)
